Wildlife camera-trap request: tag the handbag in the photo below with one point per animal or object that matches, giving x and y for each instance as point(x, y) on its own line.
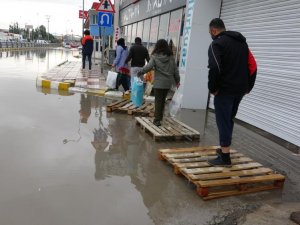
point(111, 79)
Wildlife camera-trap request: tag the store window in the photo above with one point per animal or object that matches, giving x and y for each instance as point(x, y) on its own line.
point(153, 33)
point(129, 29)
point(139, 30)
point(133, 35)
point(163, 26)
point(94, 20)
point(174, 31)
point(146, 32)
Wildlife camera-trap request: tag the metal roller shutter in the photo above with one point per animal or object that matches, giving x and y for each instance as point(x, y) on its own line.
point(272, 29)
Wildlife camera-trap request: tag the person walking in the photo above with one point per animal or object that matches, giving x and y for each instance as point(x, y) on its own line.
point(232, 73)
point(165, 75)
point(121, 66)
point(87, 48)
point(138, 54)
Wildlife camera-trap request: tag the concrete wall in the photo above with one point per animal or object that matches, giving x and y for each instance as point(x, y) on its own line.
point(194, 58)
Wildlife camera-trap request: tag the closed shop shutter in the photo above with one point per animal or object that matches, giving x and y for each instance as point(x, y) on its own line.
point(272, 29)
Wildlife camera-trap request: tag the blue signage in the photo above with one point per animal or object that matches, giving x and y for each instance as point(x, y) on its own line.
point(94, 29)
point(105, 19)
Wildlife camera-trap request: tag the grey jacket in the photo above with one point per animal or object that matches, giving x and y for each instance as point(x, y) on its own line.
point(165, 71)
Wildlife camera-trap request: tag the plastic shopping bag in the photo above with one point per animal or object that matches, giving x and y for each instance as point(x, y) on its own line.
point(175, 104)
point(137, 92)
point(111, 80)
point(148, 88)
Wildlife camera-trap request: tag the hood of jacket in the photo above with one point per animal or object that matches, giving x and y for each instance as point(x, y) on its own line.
point(161, 59)
point(235, 35)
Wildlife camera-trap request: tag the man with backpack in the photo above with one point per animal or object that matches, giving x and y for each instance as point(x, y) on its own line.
point(232, 74)
point(87, 48)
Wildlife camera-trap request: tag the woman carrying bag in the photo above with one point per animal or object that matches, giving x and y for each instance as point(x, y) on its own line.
point(165, 75)
point(120, 65)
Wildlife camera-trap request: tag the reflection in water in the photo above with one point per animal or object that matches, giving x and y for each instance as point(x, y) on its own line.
point(85, 107)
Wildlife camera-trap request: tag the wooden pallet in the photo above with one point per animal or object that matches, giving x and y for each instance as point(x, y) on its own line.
point(116, 105)
point(147, 109)
point(245, 175)
point(171, 129)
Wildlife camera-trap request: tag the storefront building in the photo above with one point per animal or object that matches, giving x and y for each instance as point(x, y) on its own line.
point(272, 29)
point(152, 20)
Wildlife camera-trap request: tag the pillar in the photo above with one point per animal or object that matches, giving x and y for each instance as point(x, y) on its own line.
point(194, 58)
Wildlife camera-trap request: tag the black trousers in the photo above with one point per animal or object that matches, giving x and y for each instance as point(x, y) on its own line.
point(226, 108)
point(84, 59)
point(160, 100)
point(124, 80)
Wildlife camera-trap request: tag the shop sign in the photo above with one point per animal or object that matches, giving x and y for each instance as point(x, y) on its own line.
point(148, 8)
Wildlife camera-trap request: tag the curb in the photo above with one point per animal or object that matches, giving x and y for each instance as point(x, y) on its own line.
point(52, 84)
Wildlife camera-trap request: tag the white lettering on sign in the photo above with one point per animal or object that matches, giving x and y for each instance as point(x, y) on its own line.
point(131, 13)
point(154, 5)
point(187, 33)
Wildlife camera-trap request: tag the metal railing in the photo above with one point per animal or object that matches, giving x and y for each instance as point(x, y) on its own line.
point(20, 45)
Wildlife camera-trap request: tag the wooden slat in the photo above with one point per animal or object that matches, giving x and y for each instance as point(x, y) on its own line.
point(115, 103)
point(120, 104)
point(193, 149)
point(201, 159)
point(150, 124)
point(221, 169)
point(220, 194)
point(178, 127)
point(139, 120)
point(125, 107)
point(205, 164)
point(231, 181)
point(192, 154)
point(186, 126)
point(241, 173)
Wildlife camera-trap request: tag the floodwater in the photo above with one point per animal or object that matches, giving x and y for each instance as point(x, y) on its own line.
point(65, 161)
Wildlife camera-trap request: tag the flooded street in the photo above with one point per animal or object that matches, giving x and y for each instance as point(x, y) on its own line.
point(65, 161)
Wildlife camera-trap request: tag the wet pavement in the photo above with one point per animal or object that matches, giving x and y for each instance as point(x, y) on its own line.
point(65, 161)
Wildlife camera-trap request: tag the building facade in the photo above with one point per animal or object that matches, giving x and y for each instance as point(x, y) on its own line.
point(272, 29)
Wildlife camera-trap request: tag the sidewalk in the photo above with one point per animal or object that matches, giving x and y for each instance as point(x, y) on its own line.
point(72, 72)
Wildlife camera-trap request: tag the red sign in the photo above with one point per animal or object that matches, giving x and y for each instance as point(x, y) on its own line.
point(83, 16)
point(106, 6)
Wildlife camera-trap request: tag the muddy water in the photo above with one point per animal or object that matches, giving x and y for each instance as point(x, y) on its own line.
point(64, 160)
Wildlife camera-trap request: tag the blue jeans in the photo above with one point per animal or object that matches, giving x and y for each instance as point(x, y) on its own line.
point(226, 108)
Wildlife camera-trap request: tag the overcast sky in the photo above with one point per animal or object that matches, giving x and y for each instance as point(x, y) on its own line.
point(63, 14)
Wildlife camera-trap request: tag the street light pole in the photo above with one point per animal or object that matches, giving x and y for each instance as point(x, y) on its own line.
point(48, 20)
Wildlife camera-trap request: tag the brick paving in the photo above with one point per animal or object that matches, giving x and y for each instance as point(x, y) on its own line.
point(90, 79)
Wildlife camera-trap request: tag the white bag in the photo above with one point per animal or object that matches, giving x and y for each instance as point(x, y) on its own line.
point(148, 89)
point(175, 104)
point(111, 80)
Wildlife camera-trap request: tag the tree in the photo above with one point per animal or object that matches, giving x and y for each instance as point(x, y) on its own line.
point(14, 28)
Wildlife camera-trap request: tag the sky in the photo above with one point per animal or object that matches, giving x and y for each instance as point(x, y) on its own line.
point(63, 14)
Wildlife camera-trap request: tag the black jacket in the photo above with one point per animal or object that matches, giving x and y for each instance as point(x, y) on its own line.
point(87, 45)
point(228, 64)
point(138, 54)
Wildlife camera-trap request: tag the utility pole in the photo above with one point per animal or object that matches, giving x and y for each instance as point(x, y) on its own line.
point(48, 20)
point(82, 18)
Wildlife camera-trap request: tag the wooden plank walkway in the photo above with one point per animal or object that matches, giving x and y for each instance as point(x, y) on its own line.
point(245, 175)
point(171, 129)
point(147, 109)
